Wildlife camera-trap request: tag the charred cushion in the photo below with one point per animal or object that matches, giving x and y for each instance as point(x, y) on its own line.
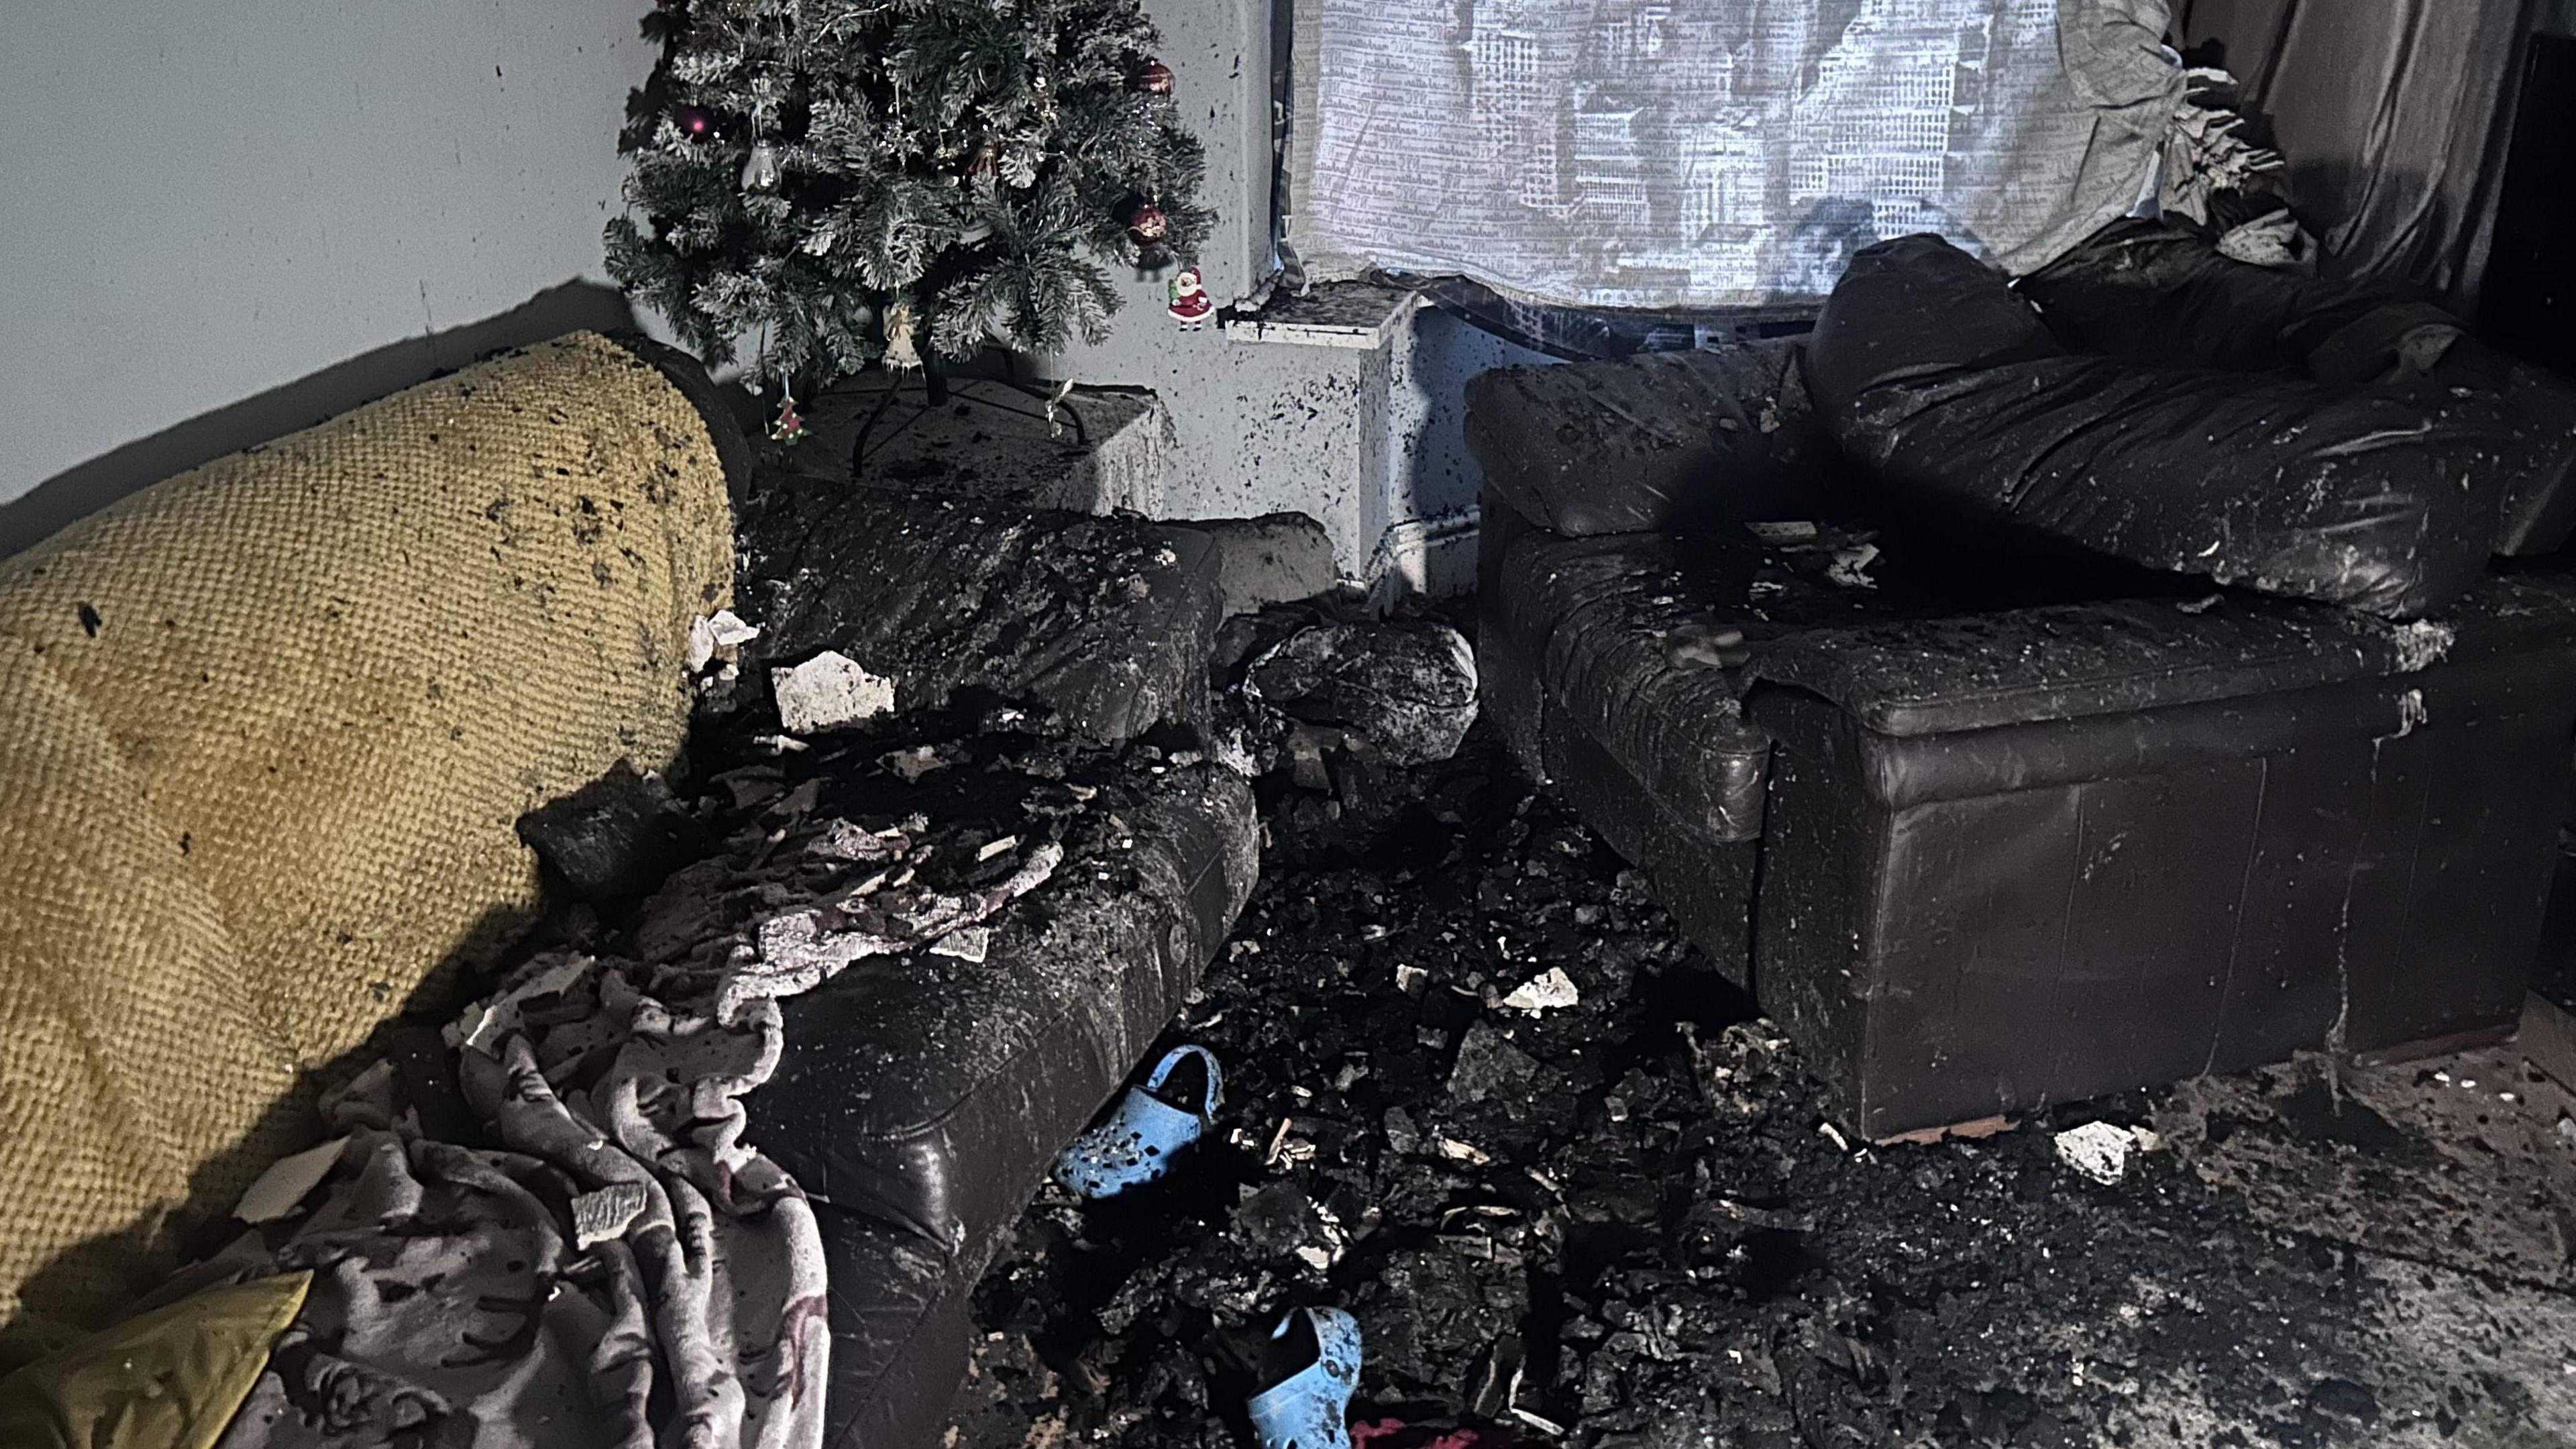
point(1668, 442)
point(1945, 384)
point(1104, 621)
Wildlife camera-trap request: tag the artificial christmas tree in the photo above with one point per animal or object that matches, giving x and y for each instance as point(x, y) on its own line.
point(829, 183)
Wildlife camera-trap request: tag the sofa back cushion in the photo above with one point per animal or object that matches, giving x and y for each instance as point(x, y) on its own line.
point(1674, 442)
point(265, 729)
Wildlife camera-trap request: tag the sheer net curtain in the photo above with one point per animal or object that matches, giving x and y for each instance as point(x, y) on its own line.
point(1712, 153)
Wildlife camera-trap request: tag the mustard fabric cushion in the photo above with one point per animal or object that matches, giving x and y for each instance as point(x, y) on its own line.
point(169, 1379)
point(266, 729)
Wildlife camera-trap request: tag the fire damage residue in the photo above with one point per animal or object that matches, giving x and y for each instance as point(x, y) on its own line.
point(1625, 1222)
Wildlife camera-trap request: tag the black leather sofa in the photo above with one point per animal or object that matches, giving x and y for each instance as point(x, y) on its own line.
point(922, 1108)
point(923, 1112)
point(2002, 828)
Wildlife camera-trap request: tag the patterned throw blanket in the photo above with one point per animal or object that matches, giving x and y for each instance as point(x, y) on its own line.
point(612, 1258)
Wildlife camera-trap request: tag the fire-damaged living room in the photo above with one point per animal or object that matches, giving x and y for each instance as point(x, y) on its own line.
point(1288, 724)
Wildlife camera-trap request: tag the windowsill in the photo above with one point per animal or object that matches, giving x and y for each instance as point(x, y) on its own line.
point(1330, 314)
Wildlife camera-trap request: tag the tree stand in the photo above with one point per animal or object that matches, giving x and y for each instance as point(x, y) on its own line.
point(935, 394)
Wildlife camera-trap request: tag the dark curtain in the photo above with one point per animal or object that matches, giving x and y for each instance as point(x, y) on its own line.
point(2394, 117)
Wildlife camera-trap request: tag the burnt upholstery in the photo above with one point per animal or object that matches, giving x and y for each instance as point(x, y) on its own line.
point(923, 1121)
point(2015, 844)
point(922, 1108)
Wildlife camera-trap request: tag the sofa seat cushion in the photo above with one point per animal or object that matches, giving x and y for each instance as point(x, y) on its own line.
point(930, 1093)
point(1619, 632)
point(921, 1097)
point(1963, 672)
point(1105, 621)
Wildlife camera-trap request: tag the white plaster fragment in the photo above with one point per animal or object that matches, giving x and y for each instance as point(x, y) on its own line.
point(1550, 990)
point(966, 943)
point(283, 1187)
point(914, 763)
point(2422, 644)
point(2411, 712)
point(709, 633)
point(826, 692)
point(1457, 1151)
point(2102, 1151)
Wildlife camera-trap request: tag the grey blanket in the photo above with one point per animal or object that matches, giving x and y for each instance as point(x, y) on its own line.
point(613, 1260)
point(607, 1261)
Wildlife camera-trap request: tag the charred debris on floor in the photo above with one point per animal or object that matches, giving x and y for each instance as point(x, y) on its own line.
point(1482, 1095)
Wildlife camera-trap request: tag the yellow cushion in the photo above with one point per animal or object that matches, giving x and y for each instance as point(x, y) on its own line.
point(169, 1379)
point(265, 732)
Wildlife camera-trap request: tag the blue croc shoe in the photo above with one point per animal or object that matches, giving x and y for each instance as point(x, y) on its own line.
point(1318, 1349)
point(1135, 1143)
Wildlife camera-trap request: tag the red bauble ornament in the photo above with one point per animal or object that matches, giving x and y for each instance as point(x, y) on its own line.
point(1145, 222)
point(695, 122)
point(1152, 77)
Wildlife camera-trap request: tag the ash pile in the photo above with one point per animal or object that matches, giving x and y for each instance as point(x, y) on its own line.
point(1481, 1094)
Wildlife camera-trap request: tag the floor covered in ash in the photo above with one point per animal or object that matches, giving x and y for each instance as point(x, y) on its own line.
point(1629, 1221)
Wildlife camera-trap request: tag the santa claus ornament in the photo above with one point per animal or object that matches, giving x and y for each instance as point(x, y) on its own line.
point(1189, 305)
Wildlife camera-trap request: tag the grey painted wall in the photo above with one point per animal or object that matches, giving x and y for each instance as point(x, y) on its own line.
point(226, 221)
point(231, 221)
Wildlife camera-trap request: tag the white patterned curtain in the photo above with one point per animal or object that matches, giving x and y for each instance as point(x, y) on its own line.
point(1712, 153)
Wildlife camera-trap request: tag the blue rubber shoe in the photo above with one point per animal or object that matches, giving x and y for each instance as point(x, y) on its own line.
point(1310, 1408)
point(1135, 1143)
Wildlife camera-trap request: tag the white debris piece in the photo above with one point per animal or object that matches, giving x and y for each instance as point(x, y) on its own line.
point(280, 1189)
point(826, 692)
point(722, 629)
point(2411, 712)
point(1850, 566)
point(966, 943)
point(1411, 979)
point(993, 848)
point(599, 1216)
point(1539, 1422)
point(914, 763)
point(1786, 531)
point(496, 1016)
point(2422, 644)
point(1457, 1151)
point(840, 840)
point(1548, 991)
point(2102, 1150)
